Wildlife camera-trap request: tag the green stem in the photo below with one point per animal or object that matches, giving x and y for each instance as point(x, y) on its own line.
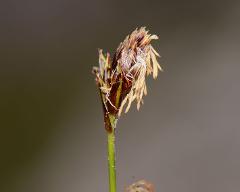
point(110, 125)
point(111, 156)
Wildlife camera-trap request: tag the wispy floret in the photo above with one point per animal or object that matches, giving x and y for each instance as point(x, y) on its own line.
point(121, 80)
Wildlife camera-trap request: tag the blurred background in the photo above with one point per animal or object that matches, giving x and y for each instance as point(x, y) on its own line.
point(185, 138)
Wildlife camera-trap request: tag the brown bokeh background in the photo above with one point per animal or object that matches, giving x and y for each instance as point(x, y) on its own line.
point(185, 138)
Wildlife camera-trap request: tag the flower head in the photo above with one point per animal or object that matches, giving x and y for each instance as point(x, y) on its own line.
point(140, 186)
point(121, 80)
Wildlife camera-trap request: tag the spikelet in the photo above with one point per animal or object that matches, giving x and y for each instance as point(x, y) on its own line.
point(140, 186)
point(121, 80)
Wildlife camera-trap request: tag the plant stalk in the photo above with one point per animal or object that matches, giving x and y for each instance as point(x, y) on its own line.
point(111, 155)
point(110, 125)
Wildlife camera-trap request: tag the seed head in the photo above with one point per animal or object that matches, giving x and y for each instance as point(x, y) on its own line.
point(121, 80)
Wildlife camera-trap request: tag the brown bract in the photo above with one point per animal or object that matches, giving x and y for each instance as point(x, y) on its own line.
point(121, 80)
